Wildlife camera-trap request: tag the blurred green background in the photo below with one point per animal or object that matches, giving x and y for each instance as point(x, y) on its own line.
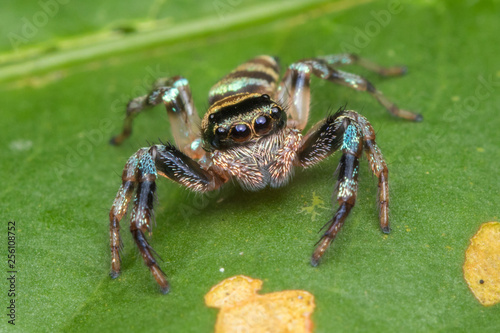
point(67, 70)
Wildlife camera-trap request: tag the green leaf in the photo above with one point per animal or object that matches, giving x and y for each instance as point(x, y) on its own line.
point(63, 95)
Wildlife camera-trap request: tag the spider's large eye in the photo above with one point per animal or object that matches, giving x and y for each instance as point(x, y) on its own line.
point(240, 132)
point(262, 125)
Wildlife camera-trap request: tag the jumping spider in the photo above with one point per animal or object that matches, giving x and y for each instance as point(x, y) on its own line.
point(251, 133)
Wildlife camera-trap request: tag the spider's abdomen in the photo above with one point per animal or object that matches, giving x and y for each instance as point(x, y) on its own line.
point(258, 75)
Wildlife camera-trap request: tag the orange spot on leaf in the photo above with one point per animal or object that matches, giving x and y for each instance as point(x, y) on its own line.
point(482, 264)
point(243, 310)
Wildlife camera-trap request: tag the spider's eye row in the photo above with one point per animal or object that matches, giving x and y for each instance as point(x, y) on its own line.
point(240, 132)
point(262, 125)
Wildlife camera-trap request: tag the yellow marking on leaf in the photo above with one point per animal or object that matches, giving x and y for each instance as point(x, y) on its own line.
point(243, 310)
point(317, 202)
point(482, 264)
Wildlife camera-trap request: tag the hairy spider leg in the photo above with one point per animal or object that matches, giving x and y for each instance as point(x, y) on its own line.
point(140, 173)
point(344, 59)
point(138, 105)
point(294, 91)
point(294, 94)
point(349, 141)
point(184, 119)
point(378, 166)
point(142, 215)
point(351, 133)
point(119, 209)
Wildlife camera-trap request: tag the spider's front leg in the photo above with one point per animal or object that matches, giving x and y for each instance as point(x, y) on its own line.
point(351, 133)
point(139, 175)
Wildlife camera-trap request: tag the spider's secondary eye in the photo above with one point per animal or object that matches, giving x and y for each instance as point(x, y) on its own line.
point(221, 131)
point(266, 96)
point(262, 125)
point(275, 112)
point(240, 132)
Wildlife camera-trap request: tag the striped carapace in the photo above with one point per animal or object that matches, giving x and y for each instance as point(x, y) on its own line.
point(251, 133)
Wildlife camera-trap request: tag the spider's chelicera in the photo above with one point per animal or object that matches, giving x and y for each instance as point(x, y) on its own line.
point(251, 133)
